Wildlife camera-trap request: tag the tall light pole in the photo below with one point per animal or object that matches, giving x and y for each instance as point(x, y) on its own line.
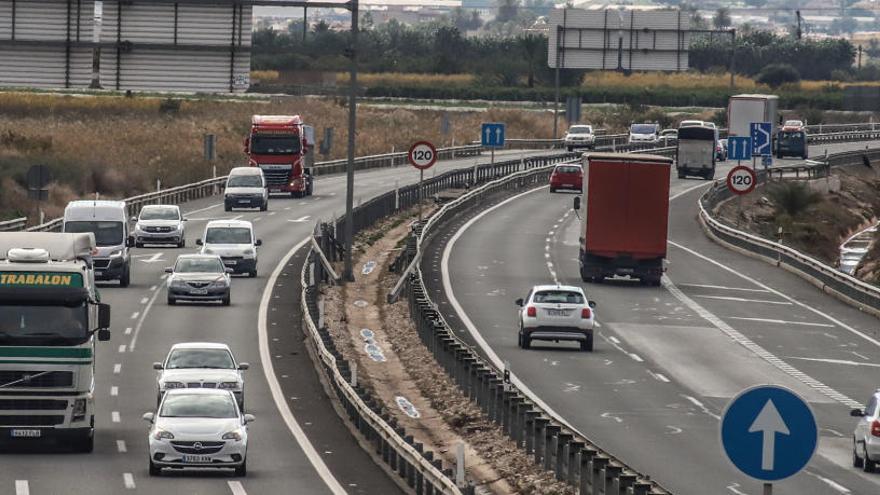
point(348, 274)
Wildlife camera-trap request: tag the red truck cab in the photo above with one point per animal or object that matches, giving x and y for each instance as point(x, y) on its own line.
point(625, 216)
point(278, 145)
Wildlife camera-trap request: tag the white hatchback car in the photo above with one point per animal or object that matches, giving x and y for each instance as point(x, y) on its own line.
point(200, 428)
point(200, 365)
point(556, 313)
point(160, 224)
point(866, 437)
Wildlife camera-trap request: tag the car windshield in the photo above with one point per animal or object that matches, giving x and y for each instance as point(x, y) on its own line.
point(580, 129)
point(199, 406)
point(200, 358)
point(558, 296)
point(643, 129)
point(793, 123)
point(274, 144)
point(162, 213)
point(43, 324)
point(198, 265)
point(244, 181)
point(790, 136)
point(568, 170)
point(106, 233)
point(228, 235)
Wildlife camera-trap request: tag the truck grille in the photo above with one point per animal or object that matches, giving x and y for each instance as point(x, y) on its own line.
point(157, 229)
point(31, 420)
point(32, 405)
point(101, 264)
point(277, 176)
point(52, 379)
point(206, 447)
point(201, 385)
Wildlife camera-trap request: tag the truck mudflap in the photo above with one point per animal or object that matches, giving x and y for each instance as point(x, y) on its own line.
point(596, 269)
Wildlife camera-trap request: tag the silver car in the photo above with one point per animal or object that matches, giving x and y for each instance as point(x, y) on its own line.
point(866, 437)
point(200, 365)
point(160, 224)
point(197, 278)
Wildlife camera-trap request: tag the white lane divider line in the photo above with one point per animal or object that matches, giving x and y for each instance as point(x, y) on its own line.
point(272, 213)
point(121, 447)
point(721, 287)
point(782, 322)
point(257, 219)
point(699, 404)
point(121, 347)
point(114, 391)
point(286, 208)
point(658, 376)
point(237, 488)
point(740, 299)
point(144, 300)
point(117, 368)
point(836, 361)
point(614, 339)
point(300, 219)
point(201, 210)
point(153, 287)
point(22, 487)
point(236, 217)
point(127, 330)
point(134, 316)
point(128, 481)
point(114, 416)
point(866, 358)
point(140, 323)
point(833, 484)
point(635, 357)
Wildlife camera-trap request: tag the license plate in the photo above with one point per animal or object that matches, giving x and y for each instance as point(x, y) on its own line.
point(98, 273)
point(197, 459)
point(557, 312)
point(625, 270)
point(244, 201)
point(198, 292)
point(26, 433)
point(274, 189)
point(230, 262)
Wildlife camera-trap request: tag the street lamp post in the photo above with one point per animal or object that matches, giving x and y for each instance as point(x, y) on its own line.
point(348, 274)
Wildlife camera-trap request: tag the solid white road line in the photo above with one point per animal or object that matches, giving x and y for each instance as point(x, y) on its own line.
point(740, 299)
point(22, 487)
point(120, 446)
point(299, 220)
point(275, 387)
point(833, 484)
point(128, 481)
point(837, 361)
point(140, 323)
point(720, 287)
point(200, 210)
point(114, 416)
point(782, 322)
point(635, 357)
point(236, 488)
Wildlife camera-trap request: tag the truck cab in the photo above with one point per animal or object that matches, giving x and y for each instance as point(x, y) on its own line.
point(50, 319)
point(278, 144)
point(108, 222)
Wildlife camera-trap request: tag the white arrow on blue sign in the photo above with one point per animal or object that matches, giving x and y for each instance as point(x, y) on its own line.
point(739, 148)
point(761, 133)
point(769, 433)
point(492, 134)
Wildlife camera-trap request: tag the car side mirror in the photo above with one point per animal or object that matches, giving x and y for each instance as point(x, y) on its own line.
point(199, 242)
point(158, 366)
point(104, 335)
point(244, 366)
point(518, 302)
point(134, 219)
point(856, 413)
point(577, 203)
point(230, 270)
point(148, 417)
point(169, 269)
point(185, 219)
point(249, 418)
point(247, 144)
point(591, 304)
point(259, 242)
point(129, 242)
point(307, 171)
point(103, 316)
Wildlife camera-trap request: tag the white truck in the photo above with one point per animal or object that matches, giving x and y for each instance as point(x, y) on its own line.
point(742, 110)
point(50, 319)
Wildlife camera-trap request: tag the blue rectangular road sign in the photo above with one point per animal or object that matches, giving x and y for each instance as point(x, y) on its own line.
point(492, 134)
point(739, 148)
point(761, 138)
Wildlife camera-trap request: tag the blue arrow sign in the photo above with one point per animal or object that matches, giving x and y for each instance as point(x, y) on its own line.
point(761, 133)
point(769, 432)
point(739, 148)
point(492, 134)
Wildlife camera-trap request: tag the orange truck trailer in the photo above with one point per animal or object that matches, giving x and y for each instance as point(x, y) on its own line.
point(278, 145)
point(624, 217)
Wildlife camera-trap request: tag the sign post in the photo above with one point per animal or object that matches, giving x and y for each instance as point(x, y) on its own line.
point(492, 136)
point(762, 140)
point(769, 433)
point(741, 180)
point(422, 155)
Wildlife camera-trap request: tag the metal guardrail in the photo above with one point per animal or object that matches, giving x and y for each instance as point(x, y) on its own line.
point(12, 225)
point(864, 296)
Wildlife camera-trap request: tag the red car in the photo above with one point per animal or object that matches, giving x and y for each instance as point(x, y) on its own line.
point(567, 176)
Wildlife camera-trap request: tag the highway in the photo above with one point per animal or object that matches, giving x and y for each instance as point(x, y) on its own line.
point(667, 359)
point(297, 444)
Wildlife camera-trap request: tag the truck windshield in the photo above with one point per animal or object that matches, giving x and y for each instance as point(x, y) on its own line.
point(228, 235)
point(244, 181)
point(643, 129)
point(43, 324)
point(274, 144)
point(106, 233)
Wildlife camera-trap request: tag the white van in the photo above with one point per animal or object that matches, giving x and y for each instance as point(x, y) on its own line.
point(246, 188)
point(234, 242)
point(644, 133)
point(109, 222)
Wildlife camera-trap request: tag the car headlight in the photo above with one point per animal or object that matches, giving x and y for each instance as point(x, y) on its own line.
point(115, 254)
point(176, 282)
point(170, 385)
point(137, 227)
point(79, 409)
point(228, 385)
point(232, 435)
point(220, 282)
point(163, 435)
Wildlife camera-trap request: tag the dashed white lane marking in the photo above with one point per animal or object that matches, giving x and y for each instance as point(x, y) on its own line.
point(734, 488)
point(201, 210)
point(114, 390)
point(135, 315)
point(154, 287)
point(699, 404)
point(782, 322)
point(866, 358)
point(836, 361)
point(236, 488)
point(635, 357)
point(117, 368)
point(721, 287)
point(144, 300)
point(271, 213)
point(257, 219)
point(740, 299)
point(286, 208)
point(121, 347)
point(299, 220)
point(127, 330)
point(614, 339)
point(238, 217)
point(128, 481)
point(658, 376)
point(121, 447)
point(22, 487)
point(608, 415)
point(140, 323)
point(114, 416)
point(833, 484)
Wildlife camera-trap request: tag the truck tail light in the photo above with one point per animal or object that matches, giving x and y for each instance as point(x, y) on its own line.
point(875, 428)
point(532, 311)
point(586, 313)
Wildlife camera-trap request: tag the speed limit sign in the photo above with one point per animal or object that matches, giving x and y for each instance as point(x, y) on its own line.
point(741, 180)
point(422, 155)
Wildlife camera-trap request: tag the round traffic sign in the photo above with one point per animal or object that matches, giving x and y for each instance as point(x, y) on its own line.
point(422, 155)
point(741, 180)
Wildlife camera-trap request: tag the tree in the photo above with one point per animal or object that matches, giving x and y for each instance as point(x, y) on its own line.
point(843, 25)
point(534, 48)
point(722, 20)
point(508, 10)
point(775, 75)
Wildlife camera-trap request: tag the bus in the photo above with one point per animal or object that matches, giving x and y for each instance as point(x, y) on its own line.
point(696, 151)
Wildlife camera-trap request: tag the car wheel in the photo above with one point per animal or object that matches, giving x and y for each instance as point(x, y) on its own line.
point(252, 273)
point(570, 148)
point(227, 208)
point(241, 405)
point(182, 243)
point(171, 301)
point(681, 175)
point(525, 342)
point(227, 300)
point(158, 399)
point(138, 244)
point(242, 469)
point(154, 469)
point(868, 465)
point(857, 461)
point(265, 206)
point(587, 345)
point(125, 280)
point(552, 189)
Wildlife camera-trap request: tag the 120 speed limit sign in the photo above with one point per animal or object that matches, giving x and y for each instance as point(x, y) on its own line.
point(422, 155)
point(741, 180)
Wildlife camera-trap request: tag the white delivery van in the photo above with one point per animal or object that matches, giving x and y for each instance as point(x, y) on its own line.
point(235, 242)
point(109, 222)
point(246, 188)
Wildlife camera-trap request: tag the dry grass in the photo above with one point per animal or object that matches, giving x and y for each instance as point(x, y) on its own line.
point(264, 76)
point(679, 80)
point(405, 79)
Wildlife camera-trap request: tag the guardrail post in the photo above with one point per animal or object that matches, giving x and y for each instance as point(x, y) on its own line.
point(611, 474)
point(597, 473)
point(507, 399)
point(574, 449)
point(586, 471)
point(540, 439)
point(515, 432)
point(551, 433)
point(640, 488)
point(624, 482)
point(562, 440)
point(529, 432)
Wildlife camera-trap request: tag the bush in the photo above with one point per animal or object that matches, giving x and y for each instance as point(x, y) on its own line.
point(775, 75)
point(792, 198)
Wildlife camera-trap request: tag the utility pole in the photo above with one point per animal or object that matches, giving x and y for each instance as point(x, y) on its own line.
point(799, 32)
point(352, 119)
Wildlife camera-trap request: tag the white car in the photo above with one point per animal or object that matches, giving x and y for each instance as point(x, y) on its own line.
point(556, 313)
point(200, 365)
point(246, 188)
point(793, 125)
point(160, 224)
point(234, 241)
point(866, 437)
point(579, 136)
point(200, 428)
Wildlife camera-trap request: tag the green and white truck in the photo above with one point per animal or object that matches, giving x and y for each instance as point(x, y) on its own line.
point(50, 320)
